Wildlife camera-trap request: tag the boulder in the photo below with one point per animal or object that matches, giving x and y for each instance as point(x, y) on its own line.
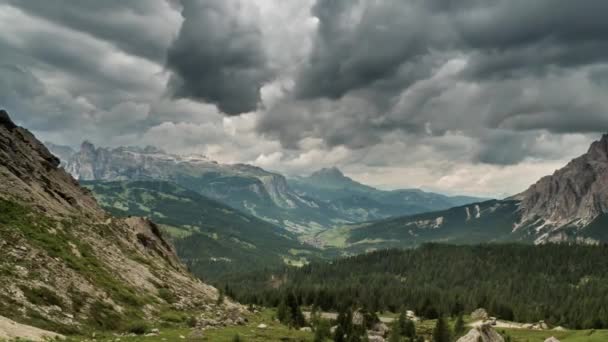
point(262, 326)
point(551, 339)
point(480, 314)
point(483, 333)
point(375, 338)
point(380, 329)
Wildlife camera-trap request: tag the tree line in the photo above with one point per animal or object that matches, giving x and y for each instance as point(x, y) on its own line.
point(564, 285)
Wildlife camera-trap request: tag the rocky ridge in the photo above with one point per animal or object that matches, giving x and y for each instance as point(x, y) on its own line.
point(66, 264)
point(574, 195)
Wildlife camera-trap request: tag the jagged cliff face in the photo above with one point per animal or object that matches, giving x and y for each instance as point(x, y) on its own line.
point(66, 262)
point(574, 195)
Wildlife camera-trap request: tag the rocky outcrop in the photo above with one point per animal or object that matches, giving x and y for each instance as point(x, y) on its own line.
point(480, 314)
point(483, 333)
point(11, 330)
point(574, 195)
point(65, 260)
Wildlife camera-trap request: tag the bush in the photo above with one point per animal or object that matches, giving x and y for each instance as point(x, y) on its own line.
point(173, 317)
point(167, 295)
point(192, 321)
point(42, 296)
point(138, 328)
point(103, 316)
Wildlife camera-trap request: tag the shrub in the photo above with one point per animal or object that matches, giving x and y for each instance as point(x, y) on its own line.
point(138, 328)
point(167, 295)
point(103, 316)
point(42, 296)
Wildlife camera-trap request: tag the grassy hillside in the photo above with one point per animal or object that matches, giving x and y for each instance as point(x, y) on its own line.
point(210, 237)
point(485, 222)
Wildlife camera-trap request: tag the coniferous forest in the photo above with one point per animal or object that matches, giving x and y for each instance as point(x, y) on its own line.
point(561, 284)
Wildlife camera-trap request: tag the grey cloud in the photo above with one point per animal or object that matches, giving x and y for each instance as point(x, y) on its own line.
point(361, 44)
point(218, 56)
point(142, 28)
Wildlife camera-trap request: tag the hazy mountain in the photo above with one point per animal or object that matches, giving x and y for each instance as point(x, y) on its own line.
point(248, 188)
point(361, 202)
point(570, 205)
point(65, 264)
point(210, 237)
point(325, 199)
point(63, 152)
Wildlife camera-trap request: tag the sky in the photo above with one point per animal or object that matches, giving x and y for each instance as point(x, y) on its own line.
point(478, 97)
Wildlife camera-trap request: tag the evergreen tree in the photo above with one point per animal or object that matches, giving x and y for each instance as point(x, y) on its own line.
point(282, 313)
point(441, 333)
point(322, 330)
point(339, 334)
point(459, 327)
point(395, 333)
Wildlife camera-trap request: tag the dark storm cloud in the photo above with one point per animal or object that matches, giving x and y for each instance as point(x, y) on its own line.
point(363, 43)
point(218, 56)
point(130, 25)
point(500, 71)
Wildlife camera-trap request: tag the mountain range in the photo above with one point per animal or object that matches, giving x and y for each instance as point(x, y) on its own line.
point(211, 238)
point(323, 200)
point(66, 264)
point(569, 206)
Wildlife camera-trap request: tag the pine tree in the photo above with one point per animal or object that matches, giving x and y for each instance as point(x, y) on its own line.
point(395, 334)
point(441, 333)
point(322, 331)
point(282, 313)
point(459, 327)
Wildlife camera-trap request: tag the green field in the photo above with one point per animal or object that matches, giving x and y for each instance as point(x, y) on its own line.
point(249, 333)
point(564, 336)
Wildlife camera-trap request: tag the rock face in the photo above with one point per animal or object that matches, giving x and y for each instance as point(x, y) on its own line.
point(66, 261)
point(484, 333)
point(248, 188)
point(569, 206)
point(480, 314)
point(576, 194)
point(573, 198)
point(11, 330)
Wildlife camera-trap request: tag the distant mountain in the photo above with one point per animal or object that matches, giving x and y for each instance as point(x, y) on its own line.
point(321, 201)
point(253, 190)
point(68, 266)
point(63, 152)
point(361, 202)
point(210, 237)
point(569, 206)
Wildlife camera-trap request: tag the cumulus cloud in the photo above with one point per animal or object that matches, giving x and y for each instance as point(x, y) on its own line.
point(218, 56)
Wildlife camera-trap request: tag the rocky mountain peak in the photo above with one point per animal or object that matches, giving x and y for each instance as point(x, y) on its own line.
point(575, 195)
point(6, 121)
point(598, 151)
point(87, 147)
point(332, 172)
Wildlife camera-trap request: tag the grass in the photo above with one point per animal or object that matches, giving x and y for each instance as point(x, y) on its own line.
point(248, 333)
point(520, 335)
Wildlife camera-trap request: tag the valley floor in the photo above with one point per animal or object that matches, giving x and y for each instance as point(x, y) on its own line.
point(274, 331)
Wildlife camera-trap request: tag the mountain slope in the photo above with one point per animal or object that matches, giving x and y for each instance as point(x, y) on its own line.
point(310, 204)
point(210, 237)
point(569, 206)
point(359, 202)
point(253, 190)
point(65, 264)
